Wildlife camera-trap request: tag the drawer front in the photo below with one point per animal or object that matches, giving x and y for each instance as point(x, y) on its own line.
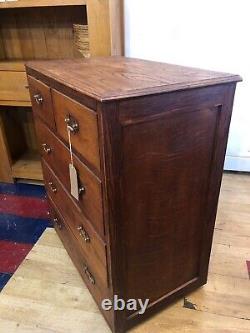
point(83, 124)
point(92, 247)
point(57, 155)
point(41, 100)
point(14, 86)
point(86, 269)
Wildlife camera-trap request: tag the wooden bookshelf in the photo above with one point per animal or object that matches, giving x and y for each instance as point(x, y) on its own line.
point(43, 29)
point(28, 166)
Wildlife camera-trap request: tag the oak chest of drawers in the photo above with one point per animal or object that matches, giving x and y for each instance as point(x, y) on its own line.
point(147, 141)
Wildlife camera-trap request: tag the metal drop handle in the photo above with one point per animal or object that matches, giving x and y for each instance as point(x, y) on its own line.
point(83, 233)
point(89, 275)
point(46, 148)
point(52, 187)
point(38, 98)
point(72, 124)
point(57, 223)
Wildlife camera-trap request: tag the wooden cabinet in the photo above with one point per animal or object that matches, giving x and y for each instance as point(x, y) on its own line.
point(148, 143)
point(32, 30)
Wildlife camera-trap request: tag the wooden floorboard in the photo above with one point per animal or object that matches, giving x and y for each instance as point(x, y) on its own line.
point(47, 286)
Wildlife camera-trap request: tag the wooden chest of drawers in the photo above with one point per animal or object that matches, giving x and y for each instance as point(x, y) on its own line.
point(148, 143)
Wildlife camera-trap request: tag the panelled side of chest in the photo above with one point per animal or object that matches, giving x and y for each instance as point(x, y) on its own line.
point(163, 161)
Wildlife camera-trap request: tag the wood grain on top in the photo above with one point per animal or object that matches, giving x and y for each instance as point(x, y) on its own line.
point(109, 78)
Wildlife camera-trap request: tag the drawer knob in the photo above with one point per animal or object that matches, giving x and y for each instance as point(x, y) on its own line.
point(83, 233)
point(57, 223)
point(46, 148)
point(89, 275)
point(38, 98)
point(72, 124)
point(52, 187)
point(82, 189)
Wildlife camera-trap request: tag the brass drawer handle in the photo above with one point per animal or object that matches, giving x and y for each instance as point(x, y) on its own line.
point(52, 187)
point(72, 124)
point(38, 98)
point(83, 233)
point(89, 275)
point(46, 148)
point(57, 223)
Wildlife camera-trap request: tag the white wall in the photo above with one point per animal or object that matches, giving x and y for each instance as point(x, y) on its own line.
point(212, 34)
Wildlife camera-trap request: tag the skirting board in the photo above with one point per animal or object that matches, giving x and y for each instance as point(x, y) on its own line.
point(237, 163)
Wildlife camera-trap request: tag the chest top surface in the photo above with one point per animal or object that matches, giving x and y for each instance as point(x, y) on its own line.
point(113, 78)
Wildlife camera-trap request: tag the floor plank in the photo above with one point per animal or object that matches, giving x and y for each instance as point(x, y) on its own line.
point(47, 285)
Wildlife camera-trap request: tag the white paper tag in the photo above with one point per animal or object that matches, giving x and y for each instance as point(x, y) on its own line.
point(73, 181)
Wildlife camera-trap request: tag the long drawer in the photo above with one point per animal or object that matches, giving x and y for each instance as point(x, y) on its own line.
point(57, 155)
point(89, 243)
point(84, 267)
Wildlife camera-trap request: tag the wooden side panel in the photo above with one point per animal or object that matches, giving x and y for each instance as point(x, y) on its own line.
point(16, 131)
point(105, 21)
point(116, 18)
point(178, 162)
point(26, 118)
point(216, 171)
point(110, 130)
point(163, 164)
point(5, 165)
point(2, 53)
point(99, 29)
point(164, 177)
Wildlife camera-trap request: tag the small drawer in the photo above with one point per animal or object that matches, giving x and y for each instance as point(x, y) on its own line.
point(88, 241)
point(14, 86)
point(89, 271)
point(82, 123)
point(57, 155)
point(41, 100)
